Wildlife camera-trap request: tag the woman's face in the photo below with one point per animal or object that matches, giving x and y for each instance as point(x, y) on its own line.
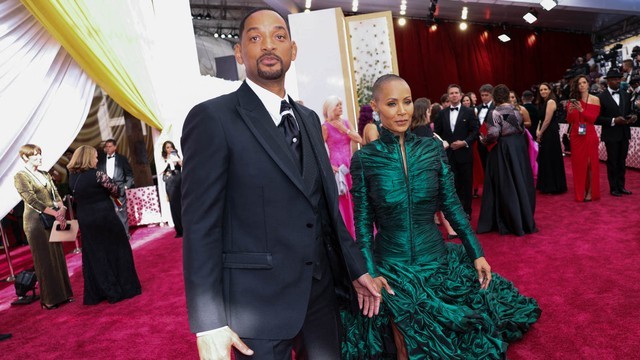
point(168, 147)
point(474, 98)
point(466, 101)
point(337, 111)
point(544, 91)
point(583, 85)
point(94, 161)
point(512, 98)
point(394, 106)
point(34, 160)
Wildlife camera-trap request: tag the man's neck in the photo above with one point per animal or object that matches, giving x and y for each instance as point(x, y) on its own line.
point(455, 105)
point(274, 86)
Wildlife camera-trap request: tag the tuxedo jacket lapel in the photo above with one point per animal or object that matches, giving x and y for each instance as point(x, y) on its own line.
point(259, 122)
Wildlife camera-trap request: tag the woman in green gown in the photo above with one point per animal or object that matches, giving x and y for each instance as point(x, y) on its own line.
point(444, 301)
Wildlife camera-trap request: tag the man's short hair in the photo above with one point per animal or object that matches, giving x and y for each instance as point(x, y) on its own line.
point(527, 95)
point(487, 88)
point(112, 141)
point(264, 8)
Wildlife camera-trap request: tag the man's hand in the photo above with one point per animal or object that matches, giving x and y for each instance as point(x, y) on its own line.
point(484, 271)
point(217, 345)
point(368, 295)
point(458, 144)
point(632, 119)
point(619, 120)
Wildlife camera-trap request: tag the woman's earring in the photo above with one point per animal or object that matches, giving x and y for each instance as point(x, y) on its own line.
point(375, 116)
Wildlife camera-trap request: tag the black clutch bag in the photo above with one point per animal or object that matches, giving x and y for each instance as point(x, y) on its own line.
point(47, 220)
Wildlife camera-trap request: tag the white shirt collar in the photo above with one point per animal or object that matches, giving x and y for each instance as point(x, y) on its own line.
point(270, 100)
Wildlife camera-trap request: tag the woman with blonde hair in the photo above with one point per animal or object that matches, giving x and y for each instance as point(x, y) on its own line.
point(338, 135)
point(39, 193)
point(107, 260)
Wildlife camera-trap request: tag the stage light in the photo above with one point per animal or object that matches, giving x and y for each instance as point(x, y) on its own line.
point(531, 16)
point(215, 34)
point(434, 27)
point(504, 37)
point(465, 11)
point(463, 26)
point(207, 16)
point(402, 12)
point(354, 6)
point(402, 21)
point(548, 4)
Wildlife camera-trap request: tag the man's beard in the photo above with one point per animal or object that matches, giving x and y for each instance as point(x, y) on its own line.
point(270, 73)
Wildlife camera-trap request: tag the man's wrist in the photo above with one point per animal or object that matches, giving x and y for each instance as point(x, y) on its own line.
point(212, 331)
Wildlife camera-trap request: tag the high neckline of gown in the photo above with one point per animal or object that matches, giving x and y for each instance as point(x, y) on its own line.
point(390, 138)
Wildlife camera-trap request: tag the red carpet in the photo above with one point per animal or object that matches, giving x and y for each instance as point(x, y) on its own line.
point(581, 267)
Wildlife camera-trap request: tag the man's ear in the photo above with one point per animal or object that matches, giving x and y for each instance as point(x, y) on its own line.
point(294, 50)
point(237, 52)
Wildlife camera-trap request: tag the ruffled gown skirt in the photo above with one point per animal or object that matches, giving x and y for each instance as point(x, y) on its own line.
point(442, 313)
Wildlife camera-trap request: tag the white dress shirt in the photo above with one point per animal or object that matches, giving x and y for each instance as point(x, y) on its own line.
point(453, 115)
point(483, 112)
point(270, 101)
point(111, 165)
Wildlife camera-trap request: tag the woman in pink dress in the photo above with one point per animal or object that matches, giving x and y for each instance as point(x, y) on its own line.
point(338, 135)
point(582, 111)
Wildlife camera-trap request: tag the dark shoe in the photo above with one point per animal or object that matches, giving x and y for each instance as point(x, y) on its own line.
point(625, 191)
point(615, 193)
point(49, 307)
point(4, 336)
point(587, 200)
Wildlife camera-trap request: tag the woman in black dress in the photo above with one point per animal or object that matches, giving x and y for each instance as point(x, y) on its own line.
point(551, 175)
point(107, 260)
point(172, 177)
point(509, 199)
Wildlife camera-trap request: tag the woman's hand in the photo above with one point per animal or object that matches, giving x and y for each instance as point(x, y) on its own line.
point(335, 169)
point(538, 135)
point(61, 217)
point(484, 271)
point(380, 283)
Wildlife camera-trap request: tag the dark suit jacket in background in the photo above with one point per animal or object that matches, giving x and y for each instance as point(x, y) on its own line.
point(535, 118)
point(249, 237)
point(609, 110)
point(482, 148)
point(466, 129)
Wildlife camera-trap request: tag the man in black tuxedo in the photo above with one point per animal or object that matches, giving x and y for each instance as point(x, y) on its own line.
point(458, 126)
point(265, 248)
point(119, 170)
point(615, 119)
point(527, 102)
point(486, 95)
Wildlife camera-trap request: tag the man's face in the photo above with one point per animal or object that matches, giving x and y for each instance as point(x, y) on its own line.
point(109, 148)
point(265, 48)
point(454, 96)
point(614, 83)
point(486, 97)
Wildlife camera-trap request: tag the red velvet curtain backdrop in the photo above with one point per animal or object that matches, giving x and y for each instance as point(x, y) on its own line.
point(431, 60)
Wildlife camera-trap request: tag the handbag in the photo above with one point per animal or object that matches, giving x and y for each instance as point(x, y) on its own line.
point(47, 220)
point(25, 282)
point(68, 234)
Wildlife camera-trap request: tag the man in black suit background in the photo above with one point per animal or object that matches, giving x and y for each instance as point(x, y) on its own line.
point(486, 95)
point(119, 170)
point(527, 102)
point(458, 126)
point(615, 119)
point(265, 248)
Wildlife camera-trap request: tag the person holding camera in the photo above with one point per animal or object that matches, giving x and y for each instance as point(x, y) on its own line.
point(582, 111)
point(172, 177)
point(615, 119)
point(40, 196)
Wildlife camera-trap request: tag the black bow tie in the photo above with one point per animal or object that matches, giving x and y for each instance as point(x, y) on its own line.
point(485, 106)
point(616, 92)
point(110, 156)
point(453, 109)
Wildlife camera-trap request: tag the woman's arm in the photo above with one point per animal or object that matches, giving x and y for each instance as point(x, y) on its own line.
point(551, 107)
point(353, 135)
point(525, 116)
point(362, 213)
point(105, 181)
point(370, 133)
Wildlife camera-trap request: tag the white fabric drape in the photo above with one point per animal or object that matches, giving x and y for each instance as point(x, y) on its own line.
point(44, 95)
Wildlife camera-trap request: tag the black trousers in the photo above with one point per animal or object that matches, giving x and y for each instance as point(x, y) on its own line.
point(317, 340)
point(173, 185)
point(616, 163)
point(463, 176)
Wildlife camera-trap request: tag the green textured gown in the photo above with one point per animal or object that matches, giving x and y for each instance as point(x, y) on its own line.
point(439, 306)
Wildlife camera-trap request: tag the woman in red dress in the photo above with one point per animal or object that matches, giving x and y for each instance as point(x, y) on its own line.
point(582, 111)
